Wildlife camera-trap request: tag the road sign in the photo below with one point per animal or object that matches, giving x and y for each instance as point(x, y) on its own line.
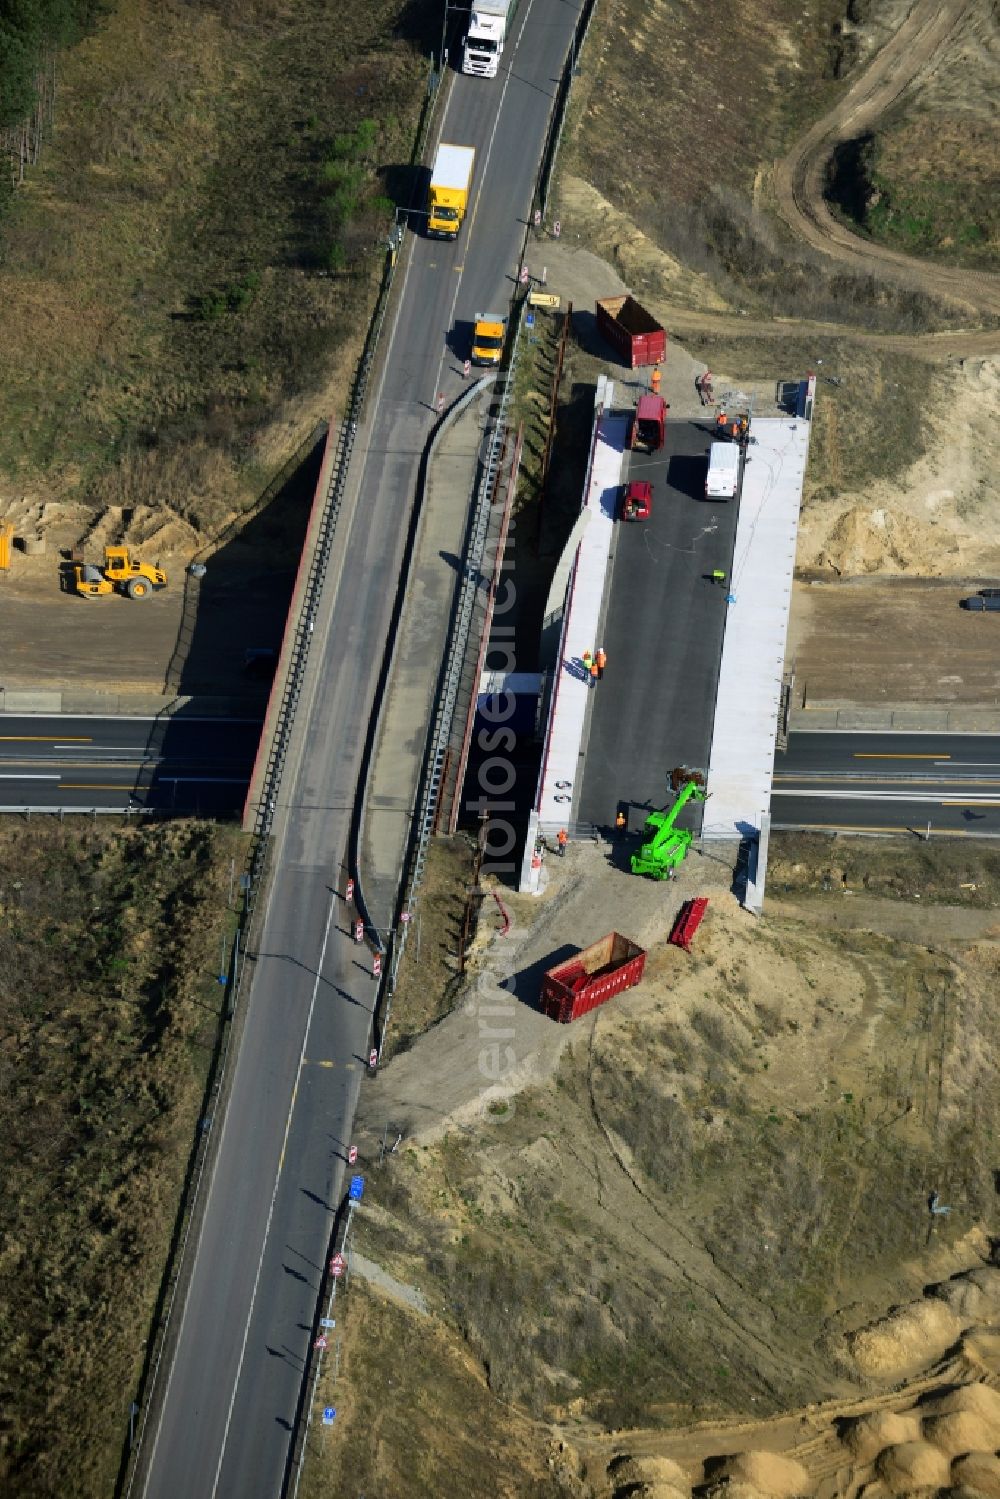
point(327, 1321)
point(359, 931)
point(537, 218)
point(440, 401)
point(357, 1189)
point(525, 276)
point(404, 917)
point(556, 229)
point(352, 1155)
point(467, 368)
point(373, 1058)
point(329, 1415)
point(321, 1341)
point(349, 890)
point(529, 319)
point(376, 965)
point(337, 1266)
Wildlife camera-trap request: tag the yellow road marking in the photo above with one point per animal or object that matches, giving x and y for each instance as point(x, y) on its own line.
point(92, 786)
point(955, 803)
point(46, 739)
point(872, 755)
point(848, 827)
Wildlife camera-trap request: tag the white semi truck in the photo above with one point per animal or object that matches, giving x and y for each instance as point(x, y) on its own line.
point(489, 23)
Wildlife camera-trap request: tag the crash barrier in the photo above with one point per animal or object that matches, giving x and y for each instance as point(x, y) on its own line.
point(454, 659)
point(282, 704)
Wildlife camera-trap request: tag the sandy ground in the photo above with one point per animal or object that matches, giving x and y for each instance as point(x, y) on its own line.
point(873, 642)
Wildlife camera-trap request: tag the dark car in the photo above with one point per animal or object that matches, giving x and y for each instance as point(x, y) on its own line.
point(988, 593)
point(987, 600)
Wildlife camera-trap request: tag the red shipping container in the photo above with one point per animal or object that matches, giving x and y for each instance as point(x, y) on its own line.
point(631, 331)
point(591, 977)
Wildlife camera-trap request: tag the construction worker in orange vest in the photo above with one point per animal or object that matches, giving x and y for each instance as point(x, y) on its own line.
point(594, 672)
point(654, 381)
point(588, 661)
point(562, 838)
point(601, 662)
point(620, 822)
point(720, 422)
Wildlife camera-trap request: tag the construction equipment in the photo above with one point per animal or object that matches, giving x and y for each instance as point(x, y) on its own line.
point(666, 844)
point(121, 573)
point(6, 542)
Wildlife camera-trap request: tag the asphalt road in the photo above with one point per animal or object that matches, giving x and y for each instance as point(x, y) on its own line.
point(889, 783)
point(224, 1426)
point(663, 635)
point(181, 764)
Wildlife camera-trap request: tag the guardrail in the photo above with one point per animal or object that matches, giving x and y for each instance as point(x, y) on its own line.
point(281, 709)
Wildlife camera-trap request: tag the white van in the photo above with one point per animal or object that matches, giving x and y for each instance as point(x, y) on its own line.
point(723, 471)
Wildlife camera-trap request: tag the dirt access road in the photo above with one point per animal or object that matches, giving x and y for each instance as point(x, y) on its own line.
point(798, 180)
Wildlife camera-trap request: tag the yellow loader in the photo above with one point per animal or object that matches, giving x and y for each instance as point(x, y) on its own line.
point(121, 573)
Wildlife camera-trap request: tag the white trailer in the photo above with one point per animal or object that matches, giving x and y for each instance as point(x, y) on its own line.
point(489, 23)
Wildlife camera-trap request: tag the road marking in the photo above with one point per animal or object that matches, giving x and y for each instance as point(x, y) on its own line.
point(43, 739)
point(849, 827)
point(90, 785)
point(883, 796)
point(23, 777)
point(308, 1062)
point(872, 755)
point(849, 775)
point(334, 898)
point(977, 802)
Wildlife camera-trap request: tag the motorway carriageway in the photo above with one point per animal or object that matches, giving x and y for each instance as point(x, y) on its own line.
point(889, 783)
point(179, 764)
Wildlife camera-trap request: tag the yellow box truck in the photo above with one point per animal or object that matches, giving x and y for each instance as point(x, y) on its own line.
point(451, 185)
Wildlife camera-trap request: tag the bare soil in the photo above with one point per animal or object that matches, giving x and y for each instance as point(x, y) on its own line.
point(873, 642)
point(654, 1237)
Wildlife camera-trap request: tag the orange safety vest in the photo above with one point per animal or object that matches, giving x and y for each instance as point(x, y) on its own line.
point(602, 659)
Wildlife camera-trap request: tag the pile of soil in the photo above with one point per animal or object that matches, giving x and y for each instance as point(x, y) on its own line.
point(912, 1466)
point(909, 1338)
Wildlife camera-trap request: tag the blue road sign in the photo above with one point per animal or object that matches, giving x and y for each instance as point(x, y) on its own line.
point(329, 1415)
point(529, 319)
point(357, 1190)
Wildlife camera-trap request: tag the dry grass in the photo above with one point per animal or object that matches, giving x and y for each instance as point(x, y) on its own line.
point(161, 274)
point(683, 1222)
point(428, 974)
point(109, 947)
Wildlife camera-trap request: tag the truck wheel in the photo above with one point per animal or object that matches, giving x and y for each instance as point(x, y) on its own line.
point(137, 588)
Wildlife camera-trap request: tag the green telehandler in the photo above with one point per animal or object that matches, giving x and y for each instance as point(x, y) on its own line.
point(666, 844)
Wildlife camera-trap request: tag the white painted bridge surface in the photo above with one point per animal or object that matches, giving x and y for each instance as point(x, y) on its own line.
point(741, 762)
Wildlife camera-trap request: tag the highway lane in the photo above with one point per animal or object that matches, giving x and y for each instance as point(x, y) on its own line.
point(181, 764)
point(889, 783)
point(230, 1402)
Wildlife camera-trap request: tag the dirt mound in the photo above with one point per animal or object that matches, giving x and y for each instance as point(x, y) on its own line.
point(912, 1466)
point(975, 1297)
point(879, 540)
point(908, 1338)
point(961, 1432)
point(867, 1436)
point(765, 1472)
point(979, 1471)
point(650, 1477)
point(979, 1400)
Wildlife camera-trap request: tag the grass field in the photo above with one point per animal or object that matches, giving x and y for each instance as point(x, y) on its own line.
point(194, 253)
point(109, 947)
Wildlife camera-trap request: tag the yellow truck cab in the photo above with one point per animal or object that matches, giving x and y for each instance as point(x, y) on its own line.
point(488, 338)
point(449, 191)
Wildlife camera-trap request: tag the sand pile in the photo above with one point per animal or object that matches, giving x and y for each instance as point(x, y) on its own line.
point(975, 1296)
point(909, 1338)
point(650, 1477)
point(979, 1471)
point(766, 1473)
point(879, 540)
point(866, 1436)
point(911, 1466)
point(980, 1400)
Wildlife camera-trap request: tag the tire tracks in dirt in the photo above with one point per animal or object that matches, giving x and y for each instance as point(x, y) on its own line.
point(799, 179)
point(698, 1268)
